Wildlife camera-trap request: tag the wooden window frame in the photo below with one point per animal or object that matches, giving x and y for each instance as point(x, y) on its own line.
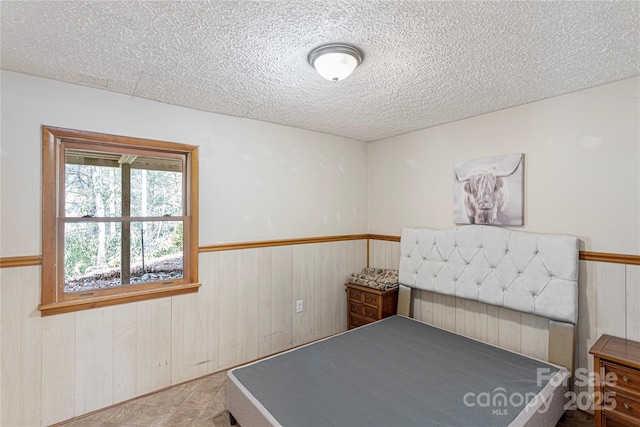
point(53, 299)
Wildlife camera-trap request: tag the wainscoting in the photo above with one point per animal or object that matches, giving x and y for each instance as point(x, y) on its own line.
point(608, 303)
point(58, 367)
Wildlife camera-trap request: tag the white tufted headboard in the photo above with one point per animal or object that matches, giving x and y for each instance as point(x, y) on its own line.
point(527, 272)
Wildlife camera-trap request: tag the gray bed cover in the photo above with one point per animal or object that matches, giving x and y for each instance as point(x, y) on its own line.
point(396, 372)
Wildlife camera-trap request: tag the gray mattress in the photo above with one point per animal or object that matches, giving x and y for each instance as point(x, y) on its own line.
point(395, 372)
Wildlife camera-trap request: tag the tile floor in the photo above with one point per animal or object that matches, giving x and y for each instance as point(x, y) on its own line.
point(202, 403)
point(576, 419)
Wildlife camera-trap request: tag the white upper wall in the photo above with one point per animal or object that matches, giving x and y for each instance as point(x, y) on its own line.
point(258, 181)
point(582, 167)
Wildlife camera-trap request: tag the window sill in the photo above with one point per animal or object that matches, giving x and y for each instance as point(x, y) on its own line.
point(105, 301)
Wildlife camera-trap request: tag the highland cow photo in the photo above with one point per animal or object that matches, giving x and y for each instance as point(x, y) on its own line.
point(489, 190)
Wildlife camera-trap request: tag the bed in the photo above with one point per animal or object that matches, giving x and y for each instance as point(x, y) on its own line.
point(402, 372)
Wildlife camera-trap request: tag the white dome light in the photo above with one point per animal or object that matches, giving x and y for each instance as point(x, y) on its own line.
point(335, 61)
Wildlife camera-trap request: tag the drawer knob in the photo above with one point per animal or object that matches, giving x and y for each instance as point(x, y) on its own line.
point(625, 379)
point(626, 405)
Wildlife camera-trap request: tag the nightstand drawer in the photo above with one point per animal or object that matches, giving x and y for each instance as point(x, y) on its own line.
point(624, 379)
point(355, 295)
point(623, 404)
point(371, 300)
point(370, 312)
point(357, 308)
point(610, 422)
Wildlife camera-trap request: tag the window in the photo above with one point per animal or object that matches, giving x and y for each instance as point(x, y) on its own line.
point(119, 220)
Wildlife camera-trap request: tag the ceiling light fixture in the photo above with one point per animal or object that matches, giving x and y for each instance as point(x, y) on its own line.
point(335, 61)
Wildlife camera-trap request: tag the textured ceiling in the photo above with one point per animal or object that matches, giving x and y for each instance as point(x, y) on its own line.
point(426, 63)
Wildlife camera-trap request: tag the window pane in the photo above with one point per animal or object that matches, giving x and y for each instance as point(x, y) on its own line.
point(93, 251)
point(92, 190)
point(156, 192)
point(156, 251)
point(94, 184)
point(91, 256)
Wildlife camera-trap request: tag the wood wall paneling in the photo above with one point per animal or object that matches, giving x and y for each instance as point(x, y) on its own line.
point(209, 302)
point(610, 299)
point(265, 302)
point(393, 254)
point(183, 347)
point(436, 308)
point(534, 336)
point(377, 253)
point(124, 352)
point(509, 332)
point(304, 285)
point(360, 261)
point(586, 327)
point(58, 368)
point(160, 344)
point(423, 306)
point(326, 277)
point(633, 302)
point(337, 303)
point(283, 304)
point(248, 298)
point(493, 325)
point(20, 345)
point(143, 347)
point(227, 287)
point(384, 254)
point(460, 316)
point(153, 345)
point(475, 319)
point(94, 360)
point(191, 355)
point(448, 312)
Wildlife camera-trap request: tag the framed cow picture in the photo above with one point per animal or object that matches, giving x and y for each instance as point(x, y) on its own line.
point(489, 190)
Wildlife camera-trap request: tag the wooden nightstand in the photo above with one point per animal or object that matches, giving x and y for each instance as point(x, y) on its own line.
point(616, 362)
point(366, 305)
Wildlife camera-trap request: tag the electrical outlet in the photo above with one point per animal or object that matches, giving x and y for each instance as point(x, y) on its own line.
point(299, 306)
